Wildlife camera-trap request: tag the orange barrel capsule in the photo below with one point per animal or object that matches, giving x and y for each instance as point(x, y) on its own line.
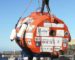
point(43, 34)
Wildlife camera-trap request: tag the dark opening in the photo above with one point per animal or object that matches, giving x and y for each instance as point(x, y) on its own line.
point(52, 33)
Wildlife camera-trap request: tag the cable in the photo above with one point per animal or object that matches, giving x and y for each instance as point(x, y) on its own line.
point(27, 7)
point(39, 3)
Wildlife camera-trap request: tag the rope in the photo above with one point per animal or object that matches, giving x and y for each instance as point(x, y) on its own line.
point(39, 7)
point(27, 7)
point(39, 3)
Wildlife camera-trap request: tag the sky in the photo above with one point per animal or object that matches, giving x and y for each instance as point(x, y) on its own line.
point(11, 10)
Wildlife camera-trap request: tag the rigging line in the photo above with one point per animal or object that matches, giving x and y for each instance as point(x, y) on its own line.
point(27, 7)
point(39, 3)
point(36, 9)
point(51, 14)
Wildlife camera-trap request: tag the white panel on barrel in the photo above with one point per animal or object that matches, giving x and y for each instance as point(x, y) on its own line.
point(47, 24)
point(58, 43)
point(47, 44)
point(57, 25)
point(29, 35)
point(60, 33)
point(42, 31)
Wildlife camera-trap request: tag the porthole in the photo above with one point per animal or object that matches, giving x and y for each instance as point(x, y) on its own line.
point(52, 33)
point(66, 33)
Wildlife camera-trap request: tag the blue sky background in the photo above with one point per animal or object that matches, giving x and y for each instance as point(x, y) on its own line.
point(11, 10)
